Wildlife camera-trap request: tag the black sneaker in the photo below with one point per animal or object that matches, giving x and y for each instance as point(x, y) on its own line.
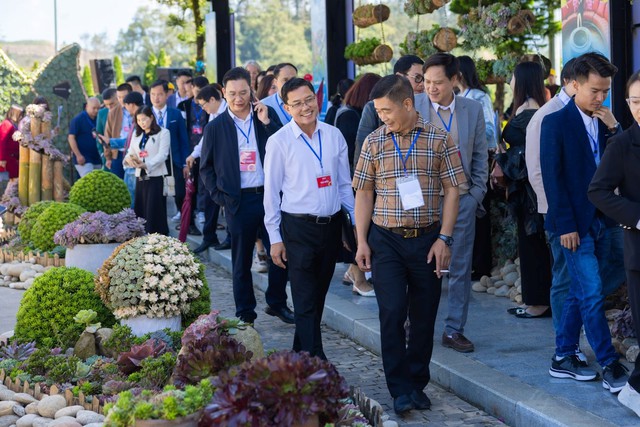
point(571, 367)
point(614, 377)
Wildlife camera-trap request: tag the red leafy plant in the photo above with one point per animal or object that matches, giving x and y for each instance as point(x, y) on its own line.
point(279, 390)
point(131, 361)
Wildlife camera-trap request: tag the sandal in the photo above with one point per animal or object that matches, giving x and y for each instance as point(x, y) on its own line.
point(357, 291)
point(347, 279)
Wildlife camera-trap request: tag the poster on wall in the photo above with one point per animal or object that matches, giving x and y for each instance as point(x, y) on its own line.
point(319, 53)
point(585, 28)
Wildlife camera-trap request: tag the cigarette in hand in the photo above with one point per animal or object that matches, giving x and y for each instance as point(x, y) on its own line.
point(441, 271)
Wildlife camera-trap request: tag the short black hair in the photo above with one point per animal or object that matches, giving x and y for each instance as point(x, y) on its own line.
point(568, 74)
point(133, 98)
point(162, 83)
point(134, 79)
point(449, 62)
point(592, 62)
point(123, 87)
point(635, 77)
point(237, 73)
point(108, 93)
point(404, 63)
point(184, 73)
point(271, 68)
point(282, 65)
point(208, 92)
point(395, 87)
point(294, 84)
point(200, 82)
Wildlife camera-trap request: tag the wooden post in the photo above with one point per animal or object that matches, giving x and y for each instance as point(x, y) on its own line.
point(45, 128)
point(58, 181)
point(23, 176)
point(35, 177)
point(47, 178)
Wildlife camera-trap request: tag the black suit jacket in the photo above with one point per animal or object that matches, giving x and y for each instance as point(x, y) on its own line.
point(620, 168)
point(185, 106)
point(220, 159)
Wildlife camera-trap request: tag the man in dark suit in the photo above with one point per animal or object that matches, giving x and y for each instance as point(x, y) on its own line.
point(619, 170)
point(571, 145)
point(171, 119)
point(136, 85)
point(231, 167)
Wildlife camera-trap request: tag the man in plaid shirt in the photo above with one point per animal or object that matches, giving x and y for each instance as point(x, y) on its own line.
point(402, 168)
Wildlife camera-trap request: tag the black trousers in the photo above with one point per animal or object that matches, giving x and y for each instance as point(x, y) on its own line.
point(405, 285)
point(151, 205)
point(312, 250)
point(243, 228)
point(633, 289)
point(180, 186)
point(535, 265)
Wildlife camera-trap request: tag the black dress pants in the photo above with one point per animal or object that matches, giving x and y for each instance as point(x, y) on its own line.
point(405, 285)
point(151, 205)
point(633, 288)
point(535, 265)
point(312, 250)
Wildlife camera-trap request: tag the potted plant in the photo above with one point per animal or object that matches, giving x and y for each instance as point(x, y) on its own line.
point(427, 42)
point(368, 51)
point(148, 282)
point(366, 15)
point(422, 7)
point(95, 235)
point(100, 191)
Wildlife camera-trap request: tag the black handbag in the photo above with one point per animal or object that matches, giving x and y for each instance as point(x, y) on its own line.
point(348, 235)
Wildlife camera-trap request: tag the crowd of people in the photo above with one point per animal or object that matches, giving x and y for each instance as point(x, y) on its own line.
point(407, 161)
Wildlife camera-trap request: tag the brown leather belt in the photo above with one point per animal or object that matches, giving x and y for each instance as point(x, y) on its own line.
point(411, 233)
point(316, 219)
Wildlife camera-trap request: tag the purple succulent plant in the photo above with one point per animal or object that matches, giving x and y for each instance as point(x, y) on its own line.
point(99, 227)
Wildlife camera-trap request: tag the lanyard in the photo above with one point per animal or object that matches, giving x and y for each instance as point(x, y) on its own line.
point(448, 128)
point(594, 144)
point(143, 141)
point(246, 135)
point(319, 157)
point(467, 92)
point(286, 115)
point(197, 111)
point(404, 159)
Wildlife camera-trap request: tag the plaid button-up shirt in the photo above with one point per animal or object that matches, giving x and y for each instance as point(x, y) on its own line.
point(435, 160)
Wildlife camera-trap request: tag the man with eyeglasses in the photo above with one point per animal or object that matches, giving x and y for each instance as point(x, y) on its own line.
point(282, 73)
point(307, 179)
point(232, 168)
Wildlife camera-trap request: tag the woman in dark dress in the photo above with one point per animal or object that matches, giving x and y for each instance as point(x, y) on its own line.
point(535, 265)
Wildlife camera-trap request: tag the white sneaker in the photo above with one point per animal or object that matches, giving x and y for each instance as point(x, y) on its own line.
point(630, 398)
point(176, 217)
point(200, 217)
point(259, 265)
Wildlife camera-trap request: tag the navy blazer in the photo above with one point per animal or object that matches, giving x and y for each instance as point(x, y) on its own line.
point(568, 165)
point(180, 145)
point(220, 159)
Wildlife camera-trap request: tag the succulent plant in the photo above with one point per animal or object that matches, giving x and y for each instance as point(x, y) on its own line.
point(54, 217)
point(131, 361)
point(29, 219)
point(100, 191)
point(17, 351)
point(99, 227)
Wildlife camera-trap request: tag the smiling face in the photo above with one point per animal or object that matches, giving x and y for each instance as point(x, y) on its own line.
point(591, 93)
point(395, 115)
point(238, 95)
point(439, 87)
point(302, 106)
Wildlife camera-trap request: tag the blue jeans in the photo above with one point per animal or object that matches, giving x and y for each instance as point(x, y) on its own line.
point(584, 302)
point(560, 279)
point(130, 180)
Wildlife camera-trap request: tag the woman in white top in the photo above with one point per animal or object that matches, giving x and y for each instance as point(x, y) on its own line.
point(147, 153)
point(470, 87)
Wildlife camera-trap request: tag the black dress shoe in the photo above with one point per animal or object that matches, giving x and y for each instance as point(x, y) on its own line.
point(282, 313)
point(223, 246)
point(420, 399)
point(525, 315)
point(204, 246)
point(403, 404)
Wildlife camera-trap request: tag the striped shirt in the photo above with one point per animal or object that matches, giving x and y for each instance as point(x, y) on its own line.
point(435, 160)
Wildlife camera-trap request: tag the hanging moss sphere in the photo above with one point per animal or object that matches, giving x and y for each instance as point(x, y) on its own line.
point(54, 218)
point(100, 191)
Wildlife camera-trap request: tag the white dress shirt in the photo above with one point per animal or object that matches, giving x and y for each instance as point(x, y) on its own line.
point(255, 178)
point(293, 169)
point(591, 126)
point(197, 150)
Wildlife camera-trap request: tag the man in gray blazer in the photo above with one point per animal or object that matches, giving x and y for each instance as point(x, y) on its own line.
point(464, 120)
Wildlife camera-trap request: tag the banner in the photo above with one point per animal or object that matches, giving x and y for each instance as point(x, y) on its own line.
point(319, 52)
point(585, 28)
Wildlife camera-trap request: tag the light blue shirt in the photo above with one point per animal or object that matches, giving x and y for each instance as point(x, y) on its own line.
point(487, 109)
point(274, 101)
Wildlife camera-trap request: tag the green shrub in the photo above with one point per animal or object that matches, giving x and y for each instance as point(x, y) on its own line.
point(29, 219)
point(49, 305)
point(54, 218)
point(100, 191)
point(202, 304)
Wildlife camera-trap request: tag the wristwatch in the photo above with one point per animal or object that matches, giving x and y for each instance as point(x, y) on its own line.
point(448, 240)
point(615, 127)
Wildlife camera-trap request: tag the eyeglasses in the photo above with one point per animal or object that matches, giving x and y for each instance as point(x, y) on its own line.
point(417, 78)
point(308, 102)
point(633, 101)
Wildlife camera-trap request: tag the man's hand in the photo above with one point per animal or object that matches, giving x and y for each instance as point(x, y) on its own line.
point(190, 161)
point(107, 163)
point(185, 172)
point(570, 241)
point(604, 113)
point(80, 159)
point(363, 257)
point(443, 256)
point(262, 111)
point(279, 254)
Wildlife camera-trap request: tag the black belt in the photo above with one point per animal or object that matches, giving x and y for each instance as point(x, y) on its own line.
point(323, 220)
point(410, 233)
point(256, 190)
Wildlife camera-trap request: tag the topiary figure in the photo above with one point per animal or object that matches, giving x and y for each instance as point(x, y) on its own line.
point(29, 219)
point(54, 218)
point(100, 191)
point(48, 307)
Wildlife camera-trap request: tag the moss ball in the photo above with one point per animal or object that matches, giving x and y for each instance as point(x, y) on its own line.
point(47, 308)
point(100, 191)
point(29, 219)
point(54, 218)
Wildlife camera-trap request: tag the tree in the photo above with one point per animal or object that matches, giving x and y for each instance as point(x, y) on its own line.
point(163, 59)
point(150, 69)
point(87, 81)
point(117, 69)
point(191, 21)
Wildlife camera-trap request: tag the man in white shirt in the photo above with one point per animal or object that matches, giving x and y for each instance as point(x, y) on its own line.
point(307, 179)
point(282, 73)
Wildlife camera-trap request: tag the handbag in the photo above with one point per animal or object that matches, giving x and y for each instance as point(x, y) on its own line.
point(168, 181)
point(497, 178)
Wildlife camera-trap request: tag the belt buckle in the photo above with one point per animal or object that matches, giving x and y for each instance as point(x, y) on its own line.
point(409, 233)
point(323, 220)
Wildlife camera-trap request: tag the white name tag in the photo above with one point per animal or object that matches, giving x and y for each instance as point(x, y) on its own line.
point(410, 192)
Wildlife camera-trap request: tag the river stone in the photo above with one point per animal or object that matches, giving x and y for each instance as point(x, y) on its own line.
point(26, 421)
point(486, 281)
point(94, 425)
point(88, 417)
point(499, 283)
point(24, 398)
point(65, 422)
point(491, 290)
point(42, 422)
point(508, 262)
point(27, 274)
point(478, 287)
point(511, 278)
point(50, 405)
point(6, 407)
point(102, 335)
point(32, 408)
point(612, 314)
point(8, 420)
point(4, 268)
point(15, 270)
point(38, 268)
point(632, 353)
point(508, 269)
point(502, 291)
point(628, 342)
point(495, 279)
point(512, 294)
point(516, 261)
point(7, 395)
point(19, 410)
point(250, 338)
point(495, 271)
point(69, 411)
point(27, 283)
point(518, 299)
point(85, 346)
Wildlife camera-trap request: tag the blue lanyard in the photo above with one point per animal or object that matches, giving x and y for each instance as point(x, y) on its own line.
point(319, 157)
point(448, 128)
point(286, 116)
point(246, 135)
point(143, 141)
point(404, 159)
point(593, 142)
point(467, 92)
point(197, 111)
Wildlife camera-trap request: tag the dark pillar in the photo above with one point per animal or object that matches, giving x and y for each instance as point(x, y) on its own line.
point(223, 36)
point(621, 23)
point(338, 21)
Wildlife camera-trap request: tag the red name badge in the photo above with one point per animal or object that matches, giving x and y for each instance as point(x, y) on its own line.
point(143, 154)
point(248, 160)
point(324, 181)
point(196, 130)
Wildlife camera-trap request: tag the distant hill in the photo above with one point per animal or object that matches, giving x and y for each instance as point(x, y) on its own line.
point(26, 52)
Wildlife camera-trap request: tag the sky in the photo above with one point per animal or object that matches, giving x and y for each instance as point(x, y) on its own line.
point(34, 19)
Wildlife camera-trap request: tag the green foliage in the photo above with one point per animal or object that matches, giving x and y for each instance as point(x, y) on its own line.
point(29, 219)
point(54, 218)
point(62, 369)
point(202, 304)
point(14, 88)
point(190, 20)
point(163, 59)
point(121, 340)
point(155, 372)
point(49, 305)
point(117, 69)
point(87, 81)
point(421, 43)
point(150, 69)
point(100, 191)
point(362, 48)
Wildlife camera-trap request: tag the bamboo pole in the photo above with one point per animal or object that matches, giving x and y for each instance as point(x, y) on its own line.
point(58, 181)
point(45, 128)
point(35, 177)
point(23, 176)
point(47, 178)
point(36, 126)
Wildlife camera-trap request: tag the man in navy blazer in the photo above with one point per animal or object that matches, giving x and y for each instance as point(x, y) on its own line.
point(231, 167)
point(571, 145)
point(171, 119)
